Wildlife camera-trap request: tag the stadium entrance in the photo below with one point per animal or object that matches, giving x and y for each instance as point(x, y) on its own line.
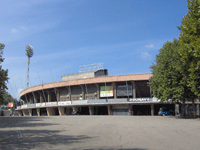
point(101, 110)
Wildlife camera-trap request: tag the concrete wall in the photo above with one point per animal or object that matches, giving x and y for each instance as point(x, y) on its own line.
point(87, 92)
point(121, 78)
point(78, 76)
point(64, 94)
point(5, 113)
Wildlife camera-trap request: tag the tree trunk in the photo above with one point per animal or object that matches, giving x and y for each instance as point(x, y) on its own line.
point(183, 108)
point(194, 109)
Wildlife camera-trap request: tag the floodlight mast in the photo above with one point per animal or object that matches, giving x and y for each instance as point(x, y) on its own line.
point(29, 54)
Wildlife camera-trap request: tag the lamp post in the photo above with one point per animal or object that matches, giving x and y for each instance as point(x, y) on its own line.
point(29, 54)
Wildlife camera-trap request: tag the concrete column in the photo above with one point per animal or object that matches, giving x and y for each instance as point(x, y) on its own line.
point(27, 99)
point(23, 112)
point(61, 111)
point(38, 111)
point(70, 97)
point(91, 110)
point(30, 99)
point(177, 108)
point(130, 110)
point(69, 89)
point(98, 92)
point(30, 112)
point(50, 111)
point(83, 92)
point(152, 109)
point(36, 99)
point(197, 110)
point(20, 112)
point(33, 100)
point(58, 95)
point(41, 97)
point(49, 96)
point(114, 90)
point(134, 89)
point(109, 110)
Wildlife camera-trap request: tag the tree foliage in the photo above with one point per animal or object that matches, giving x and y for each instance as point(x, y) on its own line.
point(3, 74)
point(168, 82)
point(7, 98)
point(190, 46)
point(177, 68)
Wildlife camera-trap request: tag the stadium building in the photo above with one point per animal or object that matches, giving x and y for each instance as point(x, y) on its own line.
point(92, 92)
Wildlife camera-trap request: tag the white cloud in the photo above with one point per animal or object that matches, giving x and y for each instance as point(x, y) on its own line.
point(14, 31)
point(17, 30)
point(149, 46)
point(22, 28)
point(145, 55)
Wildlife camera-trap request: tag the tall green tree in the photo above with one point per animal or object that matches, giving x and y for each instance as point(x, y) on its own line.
point(7, 98)
point(190, 48)
point(168, 82)
point(3, 75)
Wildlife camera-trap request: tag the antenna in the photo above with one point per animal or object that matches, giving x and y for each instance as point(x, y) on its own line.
point(91, 67)
point(29, 54)
point(149, 76)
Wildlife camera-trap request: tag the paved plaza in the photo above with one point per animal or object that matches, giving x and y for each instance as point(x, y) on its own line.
point(99, 133)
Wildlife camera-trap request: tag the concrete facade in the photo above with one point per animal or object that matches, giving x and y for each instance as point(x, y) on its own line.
point(83, 75)
point(106, 95)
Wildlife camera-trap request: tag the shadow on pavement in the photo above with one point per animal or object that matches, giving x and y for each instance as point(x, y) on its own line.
point(112, 149)
point(37, 139)
point(25, 133)
point(10, 122)
point(186, 117)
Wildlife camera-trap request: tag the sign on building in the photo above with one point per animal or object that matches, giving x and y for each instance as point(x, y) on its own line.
point(51, 103)
point(24, 106)
point(38, 104)
point(64, 103)
point(140, 99)
point(106, 91)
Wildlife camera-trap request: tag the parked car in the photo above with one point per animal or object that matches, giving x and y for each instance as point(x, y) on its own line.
point(164, 111)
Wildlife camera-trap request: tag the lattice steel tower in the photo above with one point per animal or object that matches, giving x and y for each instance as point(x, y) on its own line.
point(29, 54)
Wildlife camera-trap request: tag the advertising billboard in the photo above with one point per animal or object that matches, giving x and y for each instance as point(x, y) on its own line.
point(122, 90)
point(106, 91)
point(23, 106)
point(31, 105)
point(140, 99)
point(51, 103)
point(42, 104)
point(10, 104)
point(64, 103)
point(38, 104)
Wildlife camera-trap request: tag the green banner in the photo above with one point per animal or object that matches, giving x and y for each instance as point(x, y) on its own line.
point(106, 91)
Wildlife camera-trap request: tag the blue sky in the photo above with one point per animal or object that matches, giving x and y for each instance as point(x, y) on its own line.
point(66, 34)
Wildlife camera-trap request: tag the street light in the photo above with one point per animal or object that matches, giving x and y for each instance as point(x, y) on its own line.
point(29, 54)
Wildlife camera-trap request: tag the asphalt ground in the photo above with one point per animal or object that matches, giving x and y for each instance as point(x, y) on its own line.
point(100, 133)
